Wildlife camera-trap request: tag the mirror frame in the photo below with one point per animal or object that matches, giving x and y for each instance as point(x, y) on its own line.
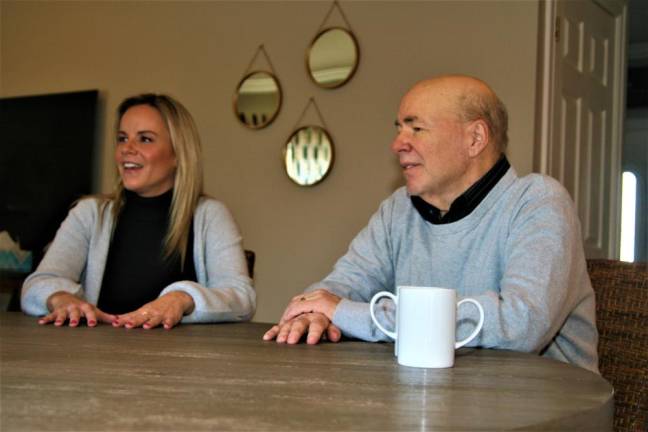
point(285, 149)
point(355, 66)
point(236, 98)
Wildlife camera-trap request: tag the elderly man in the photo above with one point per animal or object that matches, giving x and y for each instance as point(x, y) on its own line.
point(465, 221)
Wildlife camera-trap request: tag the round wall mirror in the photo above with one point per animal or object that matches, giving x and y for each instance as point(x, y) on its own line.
point(308, 155)
point(257, 99)
point(333, 57)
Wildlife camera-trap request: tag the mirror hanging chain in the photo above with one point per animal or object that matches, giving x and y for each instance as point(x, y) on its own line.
point(260, 49)
point(311, 101)
point(339, 8)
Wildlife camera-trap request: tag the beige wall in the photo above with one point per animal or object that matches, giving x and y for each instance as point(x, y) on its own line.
point(199, 51)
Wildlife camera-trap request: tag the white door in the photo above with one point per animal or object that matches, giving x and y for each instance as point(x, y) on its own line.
point(581, 143)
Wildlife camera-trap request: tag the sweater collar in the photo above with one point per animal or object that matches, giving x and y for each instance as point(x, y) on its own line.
point(160, 202)
point(464, 204)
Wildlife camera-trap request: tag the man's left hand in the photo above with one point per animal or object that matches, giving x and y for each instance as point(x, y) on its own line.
point(314, 325)
point(318, 301)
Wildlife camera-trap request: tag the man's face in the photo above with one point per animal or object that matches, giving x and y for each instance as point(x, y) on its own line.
point(431, 145)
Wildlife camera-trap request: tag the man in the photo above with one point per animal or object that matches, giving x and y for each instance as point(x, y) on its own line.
point(465, 221)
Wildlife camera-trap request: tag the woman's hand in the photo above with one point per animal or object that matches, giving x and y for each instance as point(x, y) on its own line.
point(166, 310)
point(64, 306)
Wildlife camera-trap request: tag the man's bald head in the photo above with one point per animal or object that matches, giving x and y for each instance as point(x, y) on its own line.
point(470, 99)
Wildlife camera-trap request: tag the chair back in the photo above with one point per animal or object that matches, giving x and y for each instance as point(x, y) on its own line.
point(622, 319)
point(250, 258)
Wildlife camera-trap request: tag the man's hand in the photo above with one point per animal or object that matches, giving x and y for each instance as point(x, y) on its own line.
point(291, 331)
point(166, 310)
point(318, 301)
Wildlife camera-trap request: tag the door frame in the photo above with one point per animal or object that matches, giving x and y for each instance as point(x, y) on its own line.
point(545, 92)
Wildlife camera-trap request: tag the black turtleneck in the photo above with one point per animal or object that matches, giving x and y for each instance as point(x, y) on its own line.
point(136, 270)
point(464, 204)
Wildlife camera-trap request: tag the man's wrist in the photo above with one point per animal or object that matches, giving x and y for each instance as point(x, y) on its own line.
point(335, 300)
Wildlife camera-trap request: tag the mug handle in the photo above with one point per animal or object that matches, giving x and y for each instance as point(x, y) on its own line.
point(373, 317)
point(479, 325)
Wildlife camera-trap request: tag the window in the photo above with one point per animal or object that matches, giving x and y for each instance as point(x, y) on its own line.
point(628, 211)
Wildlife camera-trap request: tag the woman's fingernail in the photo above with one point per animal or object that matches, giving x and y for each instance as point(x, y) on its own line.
point(92, 322)
point(74, 322)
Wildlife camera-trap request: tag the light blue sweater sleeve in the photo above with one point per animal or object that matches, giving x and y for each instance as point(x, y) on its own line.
point(224, 291)
point(366, 269)
point(64, 262)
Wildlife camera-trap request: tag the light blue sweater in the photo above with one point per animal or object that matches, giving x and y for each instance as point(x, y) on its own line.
point(76, 259)
point(519, 253)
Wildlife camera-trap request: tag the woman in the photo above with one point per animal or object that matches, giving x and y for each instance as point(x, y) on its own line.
point(156, 251)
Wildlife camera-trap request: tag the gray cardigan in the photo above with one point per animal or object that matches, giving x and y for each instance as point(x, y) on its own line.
point(519, 253)
point(76, 259)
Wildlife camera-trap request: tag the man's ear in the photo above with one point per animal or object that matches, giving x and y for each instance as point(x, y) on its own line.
point(479, 137)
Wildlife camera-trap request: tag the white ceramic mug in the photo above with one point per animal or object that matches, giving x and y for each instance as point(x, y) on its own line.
point(425, 325)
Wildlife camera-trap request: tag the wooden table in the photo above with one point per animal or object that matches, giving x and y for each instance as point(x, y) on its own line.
point(224, 377)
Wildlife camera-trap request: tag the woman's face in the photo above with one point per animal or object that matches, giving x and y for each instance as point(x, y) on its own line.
point(144, 155)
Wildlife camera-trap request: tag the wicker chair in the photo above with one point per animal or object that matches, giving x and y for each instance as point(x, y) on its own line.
point(622, 320)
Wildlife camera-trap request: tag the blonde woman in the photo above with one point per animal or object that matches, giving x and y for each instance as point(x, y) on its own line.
point(157, 251)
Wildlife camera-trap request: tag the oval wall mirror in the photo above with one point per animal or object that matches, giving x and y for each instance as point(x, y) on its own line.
point(333, 57)
point(308, 155)
point(257, 99)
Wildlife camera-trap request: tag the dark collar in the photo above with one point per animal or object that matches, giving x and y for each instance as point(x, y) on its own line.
point(467, 201)
point(159, 202)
